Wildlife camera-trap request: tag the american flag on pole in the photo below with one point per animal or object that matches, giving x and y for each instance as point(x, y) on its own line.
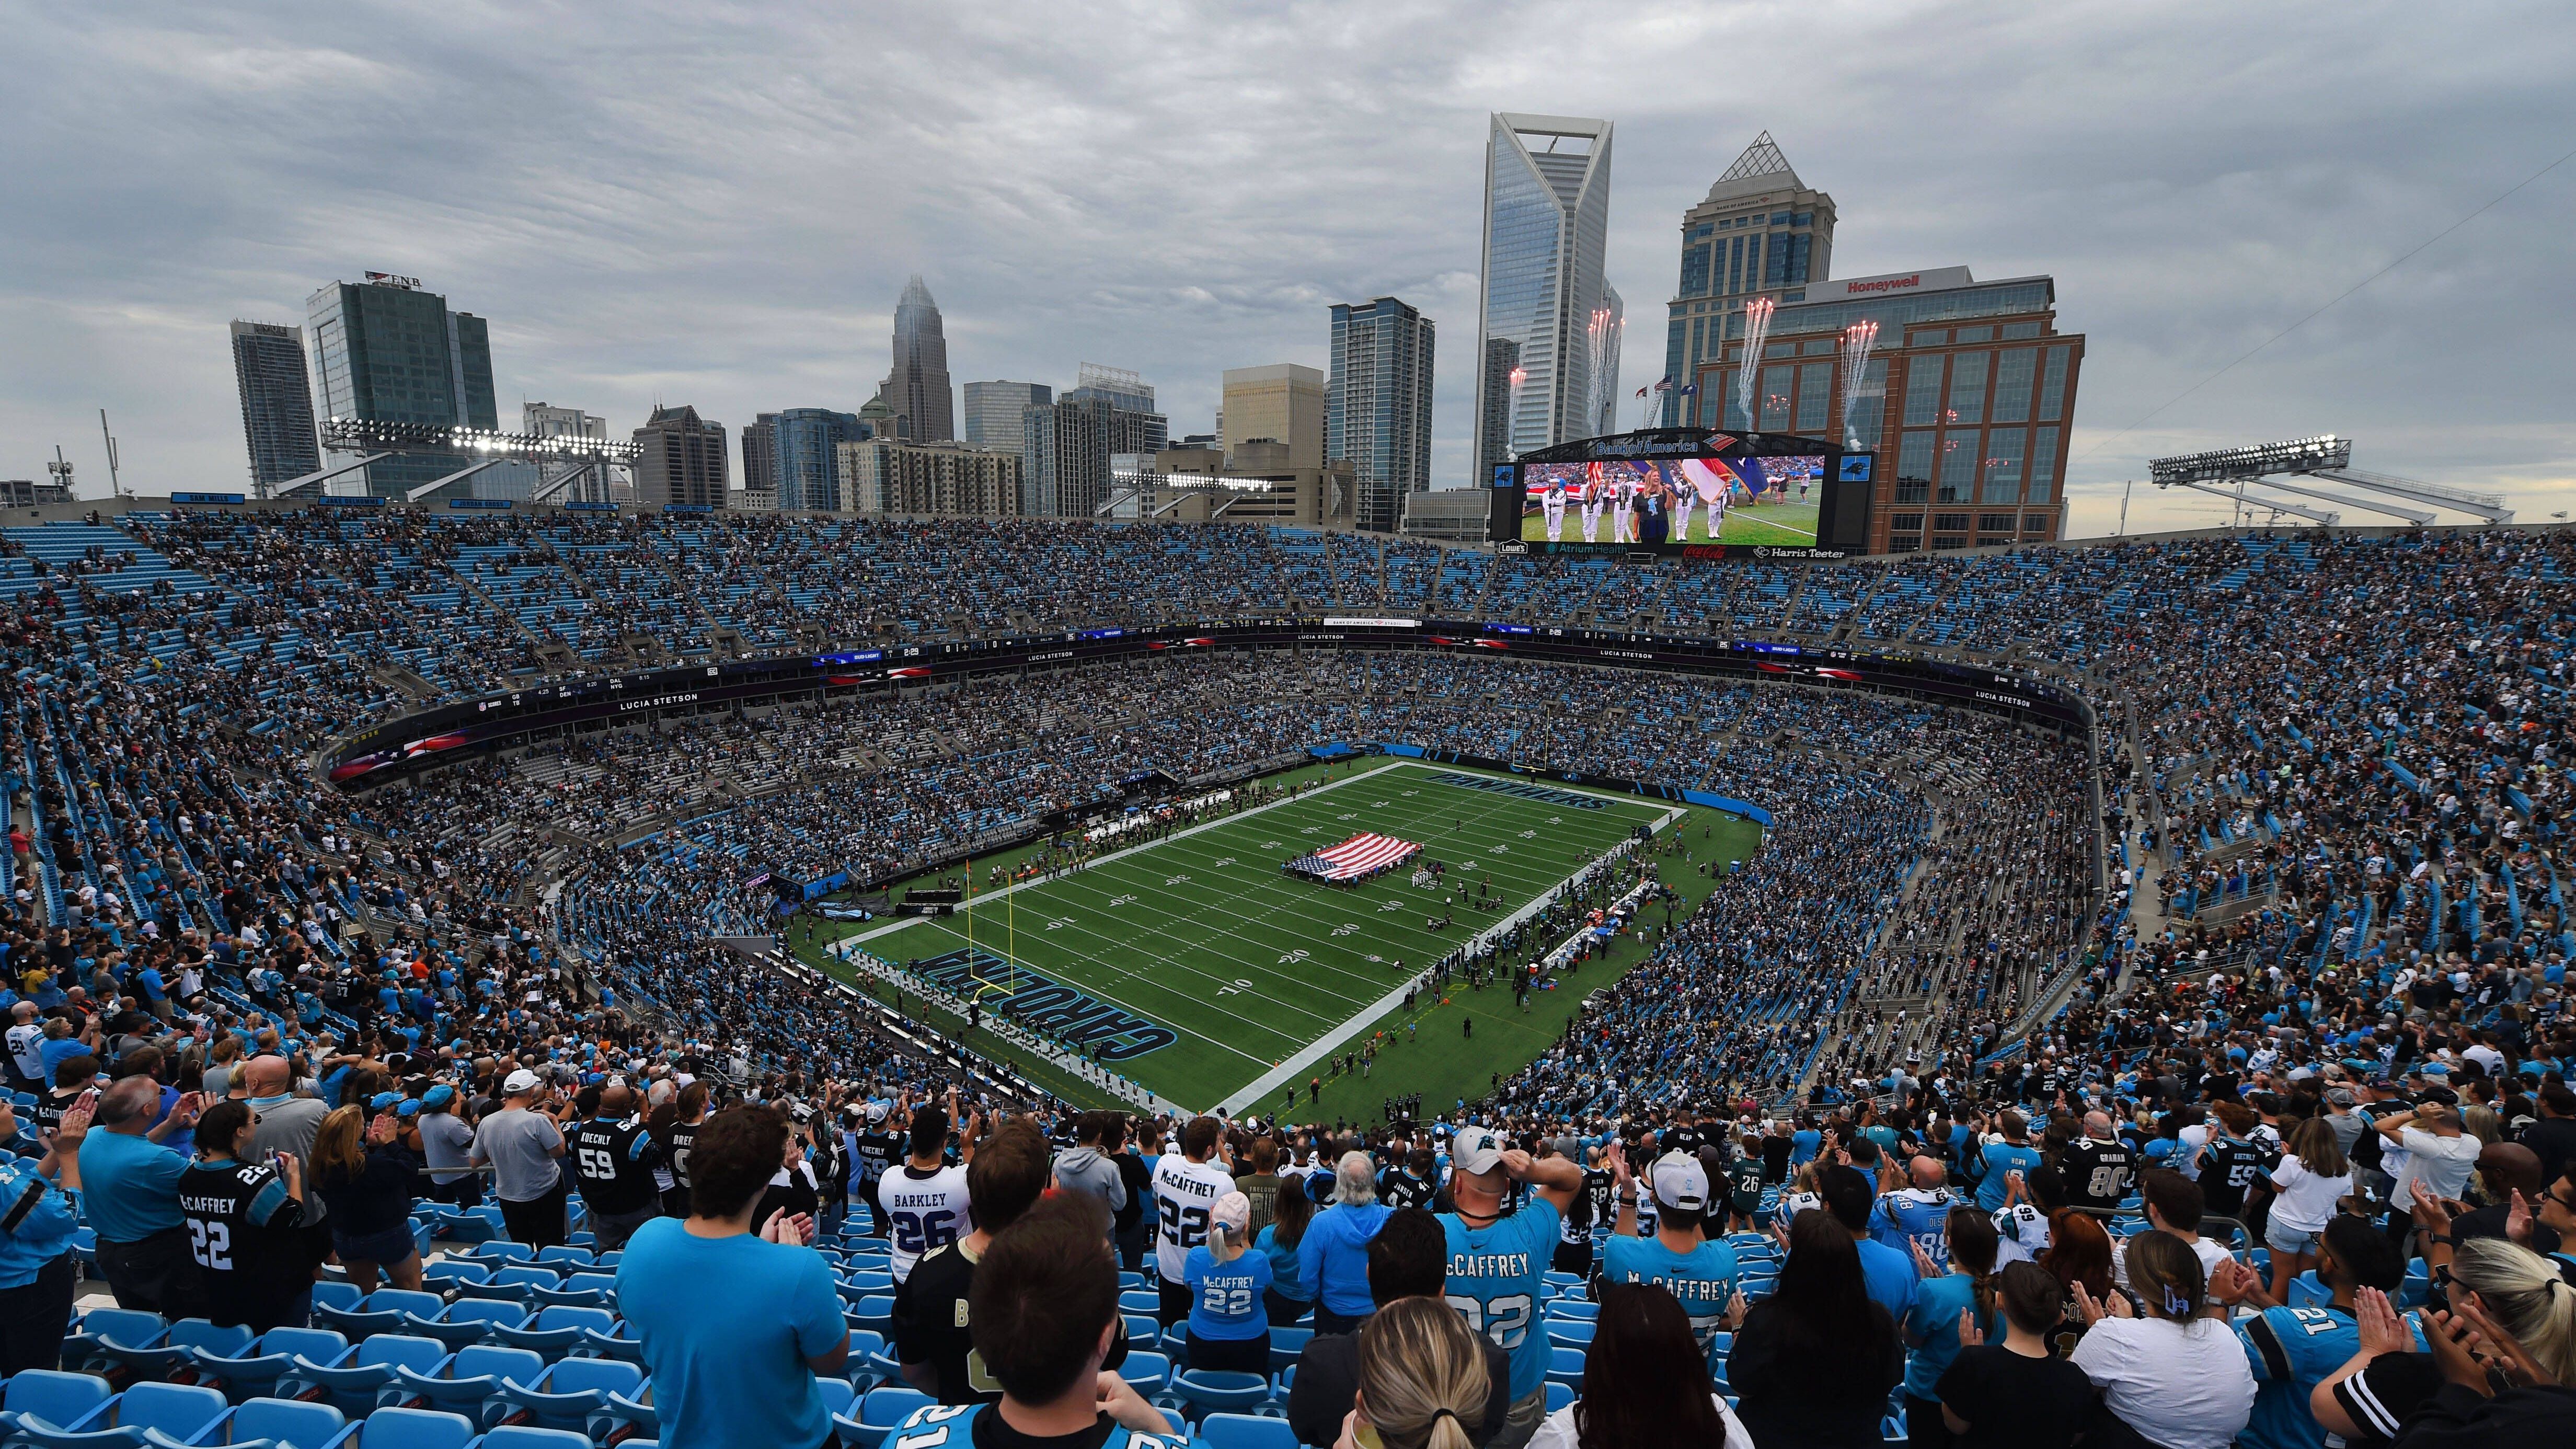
point(1358, 856)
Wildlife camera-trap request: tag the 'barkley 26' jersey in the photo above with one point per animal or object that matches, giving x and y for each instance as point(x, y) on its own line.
point(923, 1210)
point(952, 1426)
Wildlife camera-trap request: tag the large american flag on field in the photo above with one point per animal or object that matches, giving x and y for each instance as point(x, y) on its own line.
point(1353, 858)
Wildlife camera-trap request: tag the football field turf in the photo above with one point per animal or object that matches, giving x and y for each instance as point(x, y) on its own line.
point(1215, 978)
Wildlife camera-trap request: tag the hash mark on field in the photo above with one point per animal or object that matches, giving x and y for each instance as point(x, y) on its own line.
point(1529, 835)
point(1311, 830)
point(1392, 906)
point(1270, 845)
point(1500, 849)
point(1348, 815)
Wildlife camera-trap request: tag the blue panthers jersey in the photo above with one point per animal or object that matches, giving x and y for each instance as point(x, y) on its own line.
point(1703, 1278)
point(952, 1426)
point(1497, 1275)
point(2291, 1351)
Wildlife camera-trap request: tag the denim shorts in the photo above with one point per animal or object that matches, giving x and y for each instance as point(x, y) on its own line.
point(393, 1245)
point(2283, 1238)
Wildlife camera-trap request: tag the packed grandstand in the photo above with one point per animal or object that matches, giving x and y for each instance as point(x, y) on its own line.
point(2288, 857)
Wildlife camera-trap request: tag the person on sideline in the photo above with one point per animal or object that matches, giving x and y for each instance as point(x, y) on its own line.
point(737, 1367)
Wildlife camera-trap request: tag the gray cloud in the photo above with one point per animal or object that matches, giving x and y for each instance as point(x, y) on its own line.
point(718, 205)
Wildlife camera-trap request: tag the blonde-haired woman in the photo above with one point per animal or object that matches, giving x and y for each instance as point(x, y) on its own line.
point(1422, 1382)
point(364, 1175)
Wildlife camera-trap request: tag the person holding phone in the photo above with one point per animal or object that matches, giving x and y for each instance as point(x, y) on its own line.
point(245, 1218)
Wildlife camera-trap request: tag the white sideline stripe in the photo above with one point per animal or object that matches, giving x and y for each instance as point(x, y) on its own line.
point(841, 948)
point(1260, 1088)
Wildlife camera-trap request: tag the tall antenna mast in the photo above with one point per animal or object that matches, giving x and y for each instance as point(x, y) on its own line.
point(115, 489)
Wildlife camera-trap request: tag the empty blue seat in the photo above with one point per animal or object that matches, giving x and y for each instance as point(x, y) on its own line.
point(462, 1384)
point(1564, 1365)
point(571, 1391)
point(398, 1428)
point(179, 1411)
point(106, 1334)
point(520, 1436)
point(1558, 1396)
point(53, 1396)
point(1576, 1332)
point(251, 1372)
point(1286, 1342)
point(556, 1330)
point(469, 1320)
point(1203, 1391)
point(279, 1424)
point(387, 1310)
point(352, 1384)
point(582, 1256)
point(1147, 1373)
point(883, 1408)
point(513, 1282)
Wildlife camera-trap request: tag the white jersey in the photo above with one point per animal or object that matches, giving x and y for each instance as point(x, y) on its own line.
point(2021, 1235)
point(1185, 1192)
point(923, 1210)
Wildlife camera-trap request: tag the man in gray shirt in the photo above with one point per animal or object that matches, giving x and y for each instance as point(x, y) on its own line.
point(522, 1144)
point(287, 1122)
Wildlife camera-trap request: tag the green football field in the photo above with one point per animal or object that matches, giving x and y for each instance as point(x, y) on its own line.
point(1202, 971)
point(1789, 524)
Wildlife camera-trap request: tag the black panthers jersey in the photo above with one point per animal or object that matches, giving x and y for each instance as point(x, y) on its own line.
point(1400, 1189)
point(2227, 1167)
point(243, 1232)
point(2098, 1174)
point(613, 1162)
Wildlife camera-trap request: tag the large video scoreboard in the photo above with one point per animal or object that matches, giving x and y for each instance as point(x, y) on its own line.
point(1685, 491)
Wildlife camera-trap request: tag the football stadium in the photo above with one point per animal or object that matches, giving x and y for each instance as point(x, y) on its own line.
point(1353, 876)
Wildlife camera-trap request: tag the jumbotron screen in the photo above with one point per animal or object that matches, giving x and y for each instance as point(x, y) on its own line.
point(1682, 489)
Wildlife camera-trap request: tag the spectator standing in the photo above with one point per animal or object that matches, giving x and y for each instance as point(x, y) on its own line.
point(1700, 1273)
point(734, 1368)
point(925, 1200)
point(1409, 1258)
point(2439, 1159)
point(521, 1142)
point(933, 1339)
point(1332, 1255)
point(38, 1218)
point(1890, 1271)
point(1498, 1263)
point(2174, 1375)
point(447, 1142)
point(364, 1172)
point(1045, 1314)
point(2312, 1176)
point(245, 1220)
point(1228, 1326)
point(874, 1151)
point(1814, 1361)
point(1965, 1295)
point(1997, 1161)
point(1290, 1295)
point(613, 1160)
point(2013, 1394)
point(1083, 1167)
point(286, 1121)
point(1187, 1185)
point(1645, 1382)
point(130, 1190)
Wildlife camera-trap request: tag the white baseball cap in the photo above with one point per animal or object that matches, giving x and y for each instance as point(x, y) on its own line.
point(1477, 1150)
point(1680, 1182)
point(519, 1082)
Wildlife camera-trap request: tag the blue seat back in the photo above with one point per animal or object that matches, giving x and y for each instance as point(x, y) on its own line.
point(520, 1436)
point(178, 1410)
point(129, 1326)
point(294, 1422)
point(57, 1398)
point(565, 1315)
point(517, 1365)
point(1246, 1431)
point(883, 1408)
point(404, 1300)
point(318, 1344)
point(416, 1429)
point(400, 1350)
point(593, 1375)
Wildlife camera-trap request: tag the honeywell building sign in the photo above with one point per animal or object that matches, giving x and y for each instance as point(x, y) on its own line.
point(1891, 284)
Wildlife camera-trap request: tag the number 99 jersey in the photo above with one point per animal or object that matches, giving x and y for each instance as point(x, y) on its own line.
point(924, 1210)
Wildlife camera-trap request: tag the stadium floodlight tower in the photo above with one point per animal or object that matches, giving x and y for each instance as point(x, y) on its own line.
point(2325, 457)
point(476, 448)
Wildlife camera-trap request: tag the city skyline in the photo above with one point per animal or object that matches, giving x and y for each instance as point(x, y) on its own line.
point(215, 168)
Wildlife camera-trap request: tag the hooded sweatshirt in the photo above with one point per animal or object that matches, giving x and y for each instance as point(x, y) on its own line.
point(1083, 1169)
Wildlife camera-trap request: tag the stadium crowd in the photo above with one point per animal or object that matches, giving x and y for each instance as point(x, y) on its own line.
point(2244, 1120)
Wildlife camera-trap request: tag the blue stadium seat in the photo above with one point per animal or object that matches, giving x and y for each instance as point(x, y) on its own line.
point(179, 1411)
point(1245, 1431)
point(463, 1383)
point(883, 1408)
point(572, 1390)
point(351, 1385)
point(556, 1330)
point(279, 1424)
point(416, 1429)
point(255, 1369)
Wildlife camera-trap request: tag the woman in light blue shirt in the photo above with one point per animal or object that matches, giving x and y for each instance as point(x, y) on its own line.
point(1229, 1325)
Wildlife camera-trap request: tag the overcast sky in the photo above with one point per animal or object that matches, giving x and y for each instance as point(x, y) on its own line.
point(718, 204)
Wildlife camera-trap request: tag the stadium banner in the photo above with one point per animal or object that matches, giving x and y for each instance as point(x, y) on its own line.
point(449, 731)
point(350, 500)
point(497, 505)
point(205, 500)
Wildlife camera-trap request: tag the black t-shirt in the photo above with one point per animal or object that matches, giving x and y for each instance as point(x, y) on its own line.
point(2098, 1174)
point(1775, 1158)
point(2380, 1397)
point(2012, 1401)
point(930, 1326)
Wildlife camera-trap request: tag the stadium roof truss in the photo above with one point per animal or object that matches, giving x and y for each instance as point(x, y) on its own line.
point(2326, 457)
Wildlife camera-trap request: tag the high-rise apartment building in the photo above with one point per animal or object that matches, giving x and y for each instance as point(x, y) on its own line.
point(386, 351)
point(806, 458)
point(760, 463)
point(1494, 388)
point(680, 460)
point(993, 411)
point(1547, 220)
point(276, 403)
point(1065, 450)
point(1282, 402)
point(917, 388)
point(1378, 405)
point(1134, 424)
point(949, 479)
point(1760, 232)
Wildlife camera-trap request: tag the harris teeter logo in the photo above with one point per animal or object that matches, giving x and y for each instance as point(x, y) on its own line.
point(1103, 1028)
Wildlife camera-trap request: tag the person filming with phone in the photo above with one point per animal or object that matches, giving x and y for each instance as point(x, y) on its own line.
point(245, 1218)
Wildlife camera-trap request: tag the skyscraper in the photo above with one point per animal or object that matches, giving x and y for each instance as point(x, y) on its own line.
point(1134, 424)
point(993, 411)
point(680, 460)
point(276, 402)
point(1760, 232)
point(760, 463)
point(1064, 454)
point(386, 351)
point(1377, 409)
point(1547, 219)
point(806, 459)
point(1502, 357)
point(1282, 402)
point(917, 389)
